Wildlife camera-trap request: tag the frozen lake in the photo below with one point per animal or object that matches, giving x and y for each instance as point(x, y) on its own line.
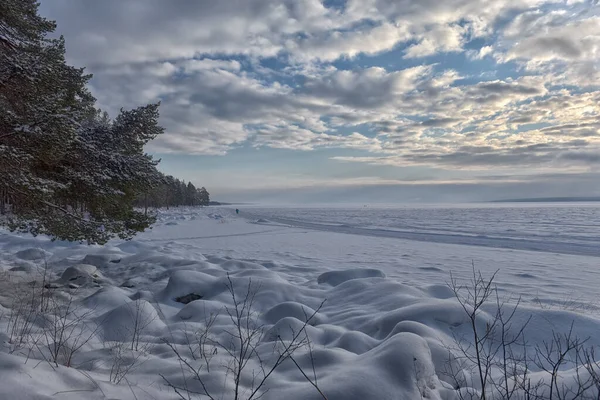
point(557, 228)
point(380, 273)
point(547, 254)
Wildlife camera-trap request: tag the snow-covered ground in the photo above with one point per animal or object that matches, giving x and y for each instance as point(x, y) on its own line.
point(384, 331)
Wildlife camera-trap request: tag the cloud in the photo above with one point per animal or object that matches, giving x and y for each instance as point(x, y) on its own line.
point(440, 38)
point(585, 157)
point(578, 40)
point(204, 107)
point(329, 46)
point(128, 31)
point(509, 84)
point(563, 43)
point(365, 89)
point(213, 137)
point(124, 31)
point(552, 156)
point(493, 131)
point(439, 122)
point(482, 189)
point(482, 53)
point(296, 138)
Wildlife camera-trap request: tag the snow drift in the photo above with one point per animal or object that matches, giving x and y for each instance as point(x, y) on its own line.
point(374, 333)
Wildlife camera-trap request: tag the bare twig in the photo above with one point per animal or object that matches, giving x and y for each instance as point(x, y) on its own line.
point(240, 348)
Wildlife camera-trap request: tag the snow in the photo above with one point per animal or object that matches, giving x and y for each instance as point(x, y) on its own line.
point(372, 283)
point(118, 323)
point(335, 278)
point(31, 254)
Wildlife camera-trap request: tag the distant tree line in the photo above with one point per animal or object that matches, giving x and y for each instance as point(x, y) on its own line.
point(67, 169)
point(172, 192)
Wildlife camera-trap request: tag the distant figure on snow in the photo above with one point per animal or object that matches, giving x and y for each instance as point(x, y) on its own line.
point(237, 211)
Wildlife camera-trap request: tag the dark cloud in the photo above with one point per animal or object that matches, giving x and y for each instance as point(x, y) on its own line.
point(497, 92)
point(565, 44)
point(586, 129)
point(585, 157)
point(489, 159)
point(564, 47)
point(370, 88)
point(439, 122)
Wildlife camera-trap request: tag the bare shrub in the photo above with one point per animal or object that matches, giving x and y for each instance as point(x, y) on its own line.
point(123, 360)
point(23, 312)
point(128, 355)
point(66, 329)
point(476, 353)
point(503, 364)
point(241, 348)
point(141, 321)
point(592, 366)
point(563, 350)
point(29, 301)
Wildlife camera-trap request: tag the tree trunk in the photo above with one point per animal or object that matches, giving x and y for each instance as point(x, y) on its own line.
point(3, 201)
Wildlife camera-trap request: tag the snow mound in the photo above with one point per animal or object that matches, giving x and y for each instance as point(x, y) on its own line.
point(182, 283)
point(44, 382)
point(107, 298)
point(33, 254)
point(101, 260)
point(80, 274)
point(133, 247)
point(234, 265)
point(200, 310)
point(384, 333)
point(399, 368)
point(335, 278)
point(134, 282)
point(28, 268)
point(440, 291)
point(354, 342)
point(440, 314)
point(292, 309)
point(135, 318)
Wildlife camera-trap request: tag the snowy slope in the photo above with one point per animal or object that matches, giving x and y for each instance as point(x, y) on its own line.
point(384, 330)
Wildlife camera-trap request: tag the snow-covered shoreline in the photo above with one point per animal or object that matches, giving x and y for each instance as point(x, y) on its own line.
point(383, 332)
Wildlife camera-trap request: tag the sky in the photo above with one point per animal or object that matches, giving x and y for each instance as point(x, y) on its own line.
point(354, 100)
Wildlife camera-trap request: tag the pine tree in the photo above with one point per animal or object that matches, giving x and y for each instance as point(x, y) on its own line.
point(109, 170)
point(179, 192)
point(66, 170)
point(191, 194)
point(42, 101)
point(203, 197)
point(170, 192)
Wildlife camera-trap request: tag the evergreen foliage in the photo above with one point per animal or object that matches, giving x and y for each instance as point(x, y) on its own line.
point(172, 192)
point(66, 169)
